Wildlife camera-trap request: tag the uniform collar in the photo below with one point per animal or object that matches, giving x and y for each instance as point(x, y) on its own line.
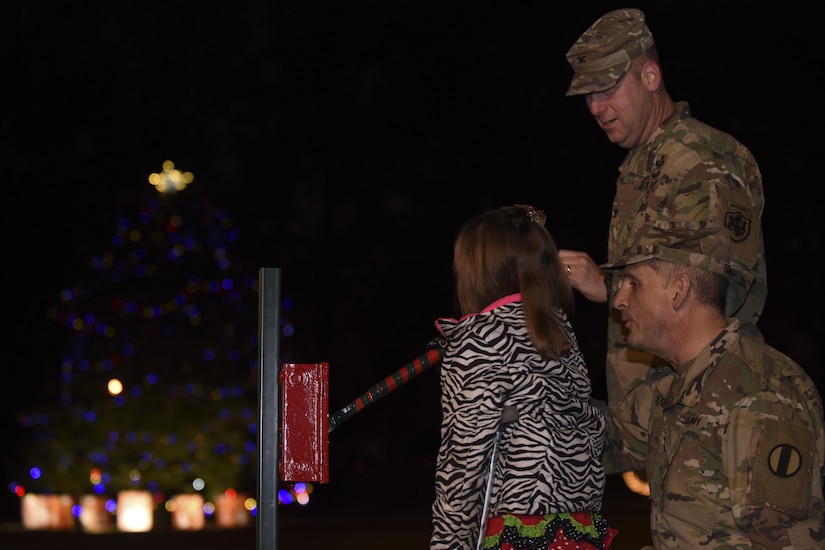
point(691, 377)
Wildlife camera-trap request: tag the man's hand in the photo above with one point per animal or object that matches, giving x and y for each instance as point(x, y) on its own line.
point(584, 274)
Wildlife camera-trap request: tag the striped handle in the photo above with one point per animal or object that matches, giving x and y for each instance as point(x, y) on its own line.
point(400, 377)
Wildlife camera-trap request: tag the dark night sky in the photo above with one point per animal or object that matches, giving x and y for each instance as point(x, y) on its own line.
point(349, 140)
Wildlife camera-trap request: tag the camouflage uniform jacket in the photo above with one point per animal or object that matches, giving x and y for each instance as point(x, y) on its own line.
point(733, 446)
point(688, 172)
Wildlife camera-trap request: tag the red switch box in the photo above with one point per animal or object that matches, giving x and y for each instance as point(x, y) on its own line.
point(304, 430)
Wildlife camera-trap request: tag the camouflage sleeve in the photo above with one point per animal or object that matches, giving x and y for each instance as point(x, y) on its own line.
point(748, 292)
point(617, 454)
point(714, 192)
point(628, 422)
point(773, 467)
point(728, 192)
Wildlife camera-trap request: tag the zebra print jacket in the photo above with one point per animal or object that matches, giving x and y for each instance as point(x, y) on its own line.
point(549, 460)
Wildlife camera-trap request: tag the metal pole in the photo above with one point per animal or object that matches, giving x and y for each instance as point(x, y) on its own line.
point(269, 292)
point(508, 416)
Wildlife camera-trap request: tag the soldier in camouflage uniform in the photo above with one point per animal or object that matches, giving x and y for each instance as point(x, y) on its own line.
point(677, 169)
point(731, 432)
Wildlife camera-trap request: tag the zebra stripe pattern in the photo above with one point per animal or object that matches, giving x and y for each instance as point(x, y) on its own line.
point(549, 459)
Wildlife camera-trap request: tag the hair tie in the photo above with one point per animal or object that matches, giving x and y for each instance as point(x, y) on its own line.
point(536, 216)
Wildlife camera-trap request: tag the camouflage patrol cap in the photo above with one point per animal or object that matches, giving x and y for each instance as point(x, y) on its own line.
point(697, 244)
point(602, 55)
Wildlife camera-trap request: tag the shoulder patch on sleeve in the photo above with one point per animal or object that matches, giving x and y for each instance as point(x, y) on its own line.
point(782, 470)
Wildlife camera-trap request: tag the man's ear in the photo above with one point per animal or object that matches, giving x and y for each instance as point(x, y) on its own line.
point(681, 287)
point(652, 75)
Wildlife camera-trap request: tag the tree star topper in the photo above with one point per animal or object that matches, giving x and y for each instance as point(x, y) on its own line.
point(171, 180)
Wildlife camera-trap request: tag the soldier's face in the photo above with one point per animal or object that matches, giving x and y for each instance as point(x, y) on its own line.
point(642, 299)
point(623, 111)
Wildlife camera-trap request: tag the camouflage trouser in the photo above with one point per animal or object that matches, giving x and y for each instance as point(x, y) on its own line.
point(624, 369)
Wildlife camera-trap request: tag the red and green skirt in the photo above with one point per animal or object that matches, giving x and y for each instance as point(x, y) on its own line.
point(565, 531)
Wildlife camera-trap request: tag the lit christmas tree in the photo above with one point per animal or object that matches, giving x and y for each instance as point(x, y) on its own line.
point(158, 389)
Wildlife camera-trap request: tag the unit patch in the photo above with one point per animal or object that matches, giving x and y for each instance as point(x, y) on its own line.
point(738, 224)
point(784, 460)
